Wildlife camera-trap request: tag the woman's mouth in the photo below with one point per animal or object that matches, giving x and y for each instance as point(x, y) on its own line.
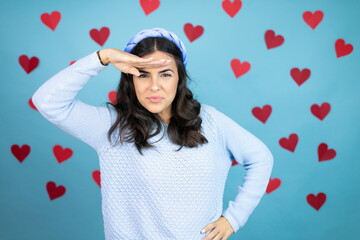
point(154, 99)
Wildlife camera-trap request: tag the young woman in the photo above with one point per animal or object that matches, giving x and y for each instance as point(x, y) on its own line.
point(164, 157)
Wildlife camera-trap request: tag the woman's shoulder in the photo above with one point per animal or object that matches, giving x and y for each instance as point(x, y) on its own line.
point(211, 121)
point(216, 116)
point(209, 110)
point(206, 107)
point(210, 113)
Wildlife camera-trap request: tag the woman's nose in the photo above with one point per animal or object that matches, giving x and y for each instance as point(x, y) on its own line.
point(155, 84)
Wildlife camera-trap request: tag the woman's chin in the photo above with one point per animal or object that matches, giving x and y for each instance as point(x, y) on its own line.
point(154, 109)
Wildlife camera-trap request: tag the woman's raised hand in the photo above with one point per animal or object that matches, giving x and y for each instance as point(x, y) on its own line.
point(127, 62)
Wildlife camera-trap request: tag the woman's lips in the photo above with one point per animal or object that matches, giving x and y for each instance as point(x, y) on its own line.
point(155, 99)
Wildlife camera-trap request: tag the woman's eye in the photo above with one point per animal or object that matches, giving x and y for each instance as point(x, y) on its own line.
point(144, 75)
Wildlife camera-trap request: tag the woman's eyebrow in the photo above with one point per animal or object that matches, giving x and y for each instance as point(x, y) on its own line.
point(142, 71)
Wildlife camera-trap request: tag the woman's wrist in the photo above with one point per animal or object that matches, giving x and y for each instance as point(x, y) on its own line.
point(104, 56)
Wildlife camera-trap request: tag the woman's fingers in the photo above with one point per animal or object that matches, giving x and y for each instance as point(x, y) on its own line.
point(154, 63)
point(148, 59)
point(133, 63)
point(143, 60)
point(134, 71)
point(130, 70)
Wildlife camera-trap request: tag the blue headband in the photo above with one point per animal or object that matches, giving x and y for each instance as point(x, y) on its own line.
point(157, 32)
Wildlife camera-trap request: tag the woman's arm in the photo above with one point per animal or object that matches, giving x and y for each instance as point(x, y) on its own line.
point(255, 157)
point(55, 100)
point(104, 56)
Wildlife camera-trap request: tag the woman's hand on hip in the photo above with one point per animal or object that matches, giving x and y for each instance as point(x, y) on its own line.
point(220, 229)
point(127, 62)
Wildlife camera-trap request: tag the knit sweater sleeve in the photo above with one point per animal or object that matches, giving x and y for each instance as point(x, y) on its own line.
point(55, 100)
point(255, 157)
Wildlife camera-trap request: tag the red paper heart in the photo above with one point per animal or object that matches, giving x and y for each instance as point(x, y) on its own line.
point(28, 64)
point(313, 19)
point(316, 201)
point(320, 111)
point(20, 153)
point(289, 143)
point(53, 191)
point(324, 153)
point(300, 76)
point(97, 178)
point(239, 68)
point(273, 185)
point(61, 154)
point(262, 114)
point(149, 6)
point(100, 36)
point(112, 97)
point(231, 8)
point(192, 32)
point(52, 20)
point(342, 49)
point(31, 104)
point(273, 41)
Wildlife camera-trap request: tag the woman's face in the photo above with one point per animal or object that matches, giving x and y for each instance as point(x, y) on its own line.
point(156, 87)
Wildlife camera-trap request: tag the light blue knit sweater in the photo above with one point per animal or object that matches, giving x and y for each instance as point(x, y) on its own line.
point(164, 194)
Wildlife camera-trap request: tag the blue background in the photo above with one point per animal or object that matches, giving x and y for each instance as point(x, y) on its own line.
point(25, 209)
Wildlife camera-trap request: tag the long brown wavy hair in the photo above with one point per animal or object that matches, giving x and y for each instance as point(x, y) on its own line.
point(185, 124)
